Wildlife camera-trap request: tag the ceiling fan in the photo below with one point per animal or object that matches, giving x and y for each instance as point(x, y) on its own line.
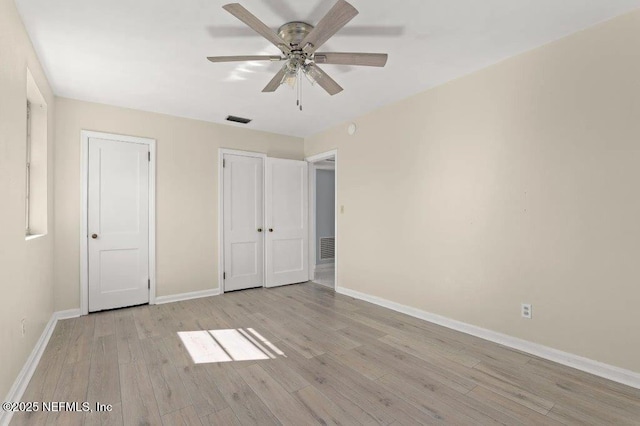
point(298, 42)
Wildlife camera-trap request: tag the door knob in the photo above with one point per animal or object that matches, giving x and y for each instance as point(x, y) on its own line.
point(94, 236)
point(270, 229)
point(259, 229)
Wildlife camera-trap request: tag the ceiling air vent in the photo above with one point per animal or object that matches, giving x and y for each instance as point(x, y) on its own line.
point(238, 119)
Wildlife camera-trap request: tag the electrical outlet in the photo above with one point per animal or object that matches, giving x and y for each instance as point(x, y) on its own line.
point(525, 310)
point(23, 327)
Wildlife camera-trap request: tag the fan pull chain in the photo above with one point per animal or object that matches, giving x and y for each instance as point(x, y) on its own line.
point(300, 79)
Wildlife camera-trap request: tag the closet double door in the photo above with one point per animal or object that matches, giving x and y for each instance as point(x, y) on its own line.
point(265, 221)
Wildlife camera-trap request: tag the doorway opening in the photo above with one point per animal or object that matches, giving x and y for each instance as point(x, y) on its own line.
point(323, 220)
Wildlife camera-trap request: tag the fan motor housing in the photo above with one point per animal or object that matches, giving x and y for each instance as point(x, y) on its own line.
point(294, 32)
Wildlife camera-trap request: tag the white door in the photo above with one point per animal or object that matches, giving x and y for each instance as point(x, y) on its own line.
point(287, 259)
point(243, 222)
point(118, 224)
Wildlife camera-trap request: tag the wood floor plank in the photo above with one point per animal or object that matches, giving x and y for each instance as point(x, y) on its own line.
point(104, 380)
point(145, 324)
point(139, 402)
point(516, 413)
point(433, 409)
point(412, 368)
point(307, 335)
point(246, 405)
point(280, 370)
point(428, 352)
point(168, 387)
point(280, 402)
point(544, 367)
point(584, 399)
point(113, 418)
point(590, 387)
point(202, 388)
point(224, 417)
point(186, 416)
point(129, 350)
point(322, 408)
point(333, 389)
point(372, 396)
point(81, 340)
point(455, 408)
point(497, 384)
point(125, 324)
point(305, 346)
point(72, 387)
point(105, 324)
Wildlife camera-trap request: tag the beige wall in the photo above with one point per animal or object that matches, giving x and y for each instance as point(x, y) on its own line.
point(519, 183)
point(186, 195)
point(26, 267)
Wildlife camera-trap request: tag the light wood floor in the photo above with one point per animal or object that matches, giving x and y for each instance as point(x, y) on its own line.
point(348, 362)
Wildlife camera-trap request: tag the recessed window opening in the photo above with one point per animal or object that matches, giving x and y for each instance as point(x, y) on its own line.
point(35, 161)
point(28, 178)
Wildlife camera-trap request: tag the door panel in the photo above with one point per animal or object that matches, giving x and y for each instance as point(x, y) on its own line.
point(118, 216)
point(243, 217)
point(287, 220)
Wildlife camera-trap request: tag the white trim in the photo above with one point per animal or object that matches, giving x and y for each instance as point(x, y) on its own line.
point(187, 296)
point(22, 381)
point(312, 221)
point(597, 368)
point(221, 153)
point(312, 212)
point(71, 313)
point(323, 285)
point(33, 236)
point(85, 135)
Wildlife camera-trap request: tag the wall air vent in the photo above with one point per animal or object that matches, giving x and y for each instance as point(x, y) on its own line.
point(238, 119)
point(327, 248)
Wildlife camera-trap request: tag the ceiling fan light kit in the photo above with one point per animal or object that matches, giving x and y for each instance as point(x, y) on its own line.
point(298, 42)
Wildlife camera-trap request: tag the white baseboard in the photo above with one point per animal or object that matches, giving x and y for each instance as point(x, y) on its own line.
point(22, 381)
point(71, 313)
point(323, 284)
point(596, 368)
point(187, 296)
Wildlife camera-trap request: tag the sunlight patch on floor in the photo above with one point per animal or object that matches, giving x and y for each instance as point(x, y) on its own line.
point(227, 345)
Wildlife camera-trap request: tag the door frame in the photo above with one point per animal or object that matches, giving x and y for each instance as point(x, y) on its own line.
point(221, 153)
point(85, 135)
point(312, 212)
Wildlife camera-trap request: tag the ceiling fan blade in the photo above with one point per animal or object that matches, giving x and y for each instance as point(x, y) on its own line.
point(323, 79)
point(244, 58)
point(257, 25)
point(276, 81)
point(341, 13)
point(365, 59)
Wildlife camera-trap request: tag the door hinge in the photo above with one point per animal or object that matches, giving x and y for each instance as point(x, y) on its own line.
point(149, 155)
point(149, 283)
point(224, 163)
point(224, 275)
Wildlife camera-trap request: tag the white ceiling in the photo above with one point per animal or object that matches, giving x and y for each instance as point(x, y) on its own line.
point(150, 54)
